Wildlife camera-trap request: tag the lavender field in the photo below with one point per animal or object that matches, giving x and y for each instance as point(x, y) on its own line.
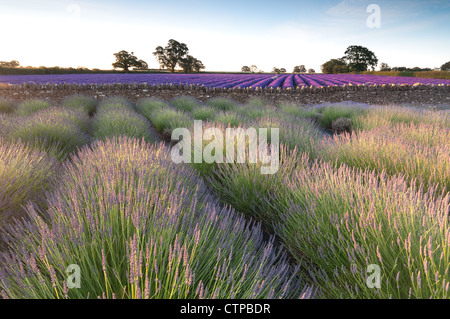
point(229, 81)
point(90, 186)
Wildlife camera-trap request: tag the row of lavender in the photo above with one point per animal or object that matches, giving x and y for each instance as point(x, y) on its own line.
point(377, 197)
point(287, 81)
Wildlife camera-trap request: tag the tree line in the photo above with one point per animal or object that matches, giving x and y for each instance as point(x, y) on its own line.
point(359, 59)
point(175, 54)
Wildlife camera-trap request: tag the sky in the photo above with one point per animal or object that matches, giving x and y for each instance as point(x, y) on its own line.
point(224, 35)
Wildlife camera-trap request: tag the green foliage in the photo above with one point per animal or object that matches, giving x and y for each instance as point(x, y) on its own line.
point(115, 122)
point(223, 104)
point(166, 120)
point(335, 66)
point(230, 118)
point(332, 113)
point(185, 103)
point(299, 69)
point(171, 55)
point(148, 105)
point(360, 58)
point(54, 134)
point(125, 60)
point(445, 66)
point(190, 64)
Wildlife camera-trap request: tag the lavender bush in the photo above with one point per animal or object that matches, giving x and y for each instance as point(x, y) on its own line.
point(344, 220)
point(185, 103)
point(7, 106)
point(31, 106)
point(25, 174)
point(50, 132)
point(116, 120)
point(86, 103)
point(420, 153)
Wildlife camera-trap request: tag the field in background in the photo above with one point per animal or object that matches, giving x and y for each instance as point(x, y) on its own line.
point(229, 81)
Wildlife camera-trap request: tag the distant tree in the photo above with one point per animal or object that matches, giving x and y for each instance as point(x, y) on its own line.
point(245, 69)
point(276, 70)
point(171, 55)
point(299, 69)
point(11, 64)
point(187, 63)
point(198, 65)
point(384, 67)
point(360, 58)
point(399, 68)
point(334, 66)
point(254, 68)
point(125, 61)
point(283, 70)
point(311, 71)
point(445, 66)
point(190, 64)
point(143, 66)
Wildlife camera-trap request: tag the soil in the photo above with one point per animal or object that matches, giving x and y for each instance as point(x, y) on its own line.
point(435, 97)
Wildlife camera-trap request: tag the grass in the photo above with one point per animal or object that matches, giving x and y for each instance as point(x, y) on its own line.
point(25, 174)
point(139, 226)
point(31, 106)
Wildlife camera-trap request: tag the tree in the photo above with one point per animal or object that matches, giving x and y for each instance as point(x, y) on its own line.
point(190, 64)
point(170, 56)
point(283, 70)
point(360, 58)
point(384, 67)
point(334, 66)
point(311, 71)
point(198, 65)
point(299, 69)
point(125, 61)
point(276, 70)
point(254, 68)
point(245, 69)
point(445, 66)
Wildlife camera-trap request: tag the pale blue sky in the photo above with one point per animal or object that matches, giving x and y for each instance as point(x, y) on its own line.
point(225, 35)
